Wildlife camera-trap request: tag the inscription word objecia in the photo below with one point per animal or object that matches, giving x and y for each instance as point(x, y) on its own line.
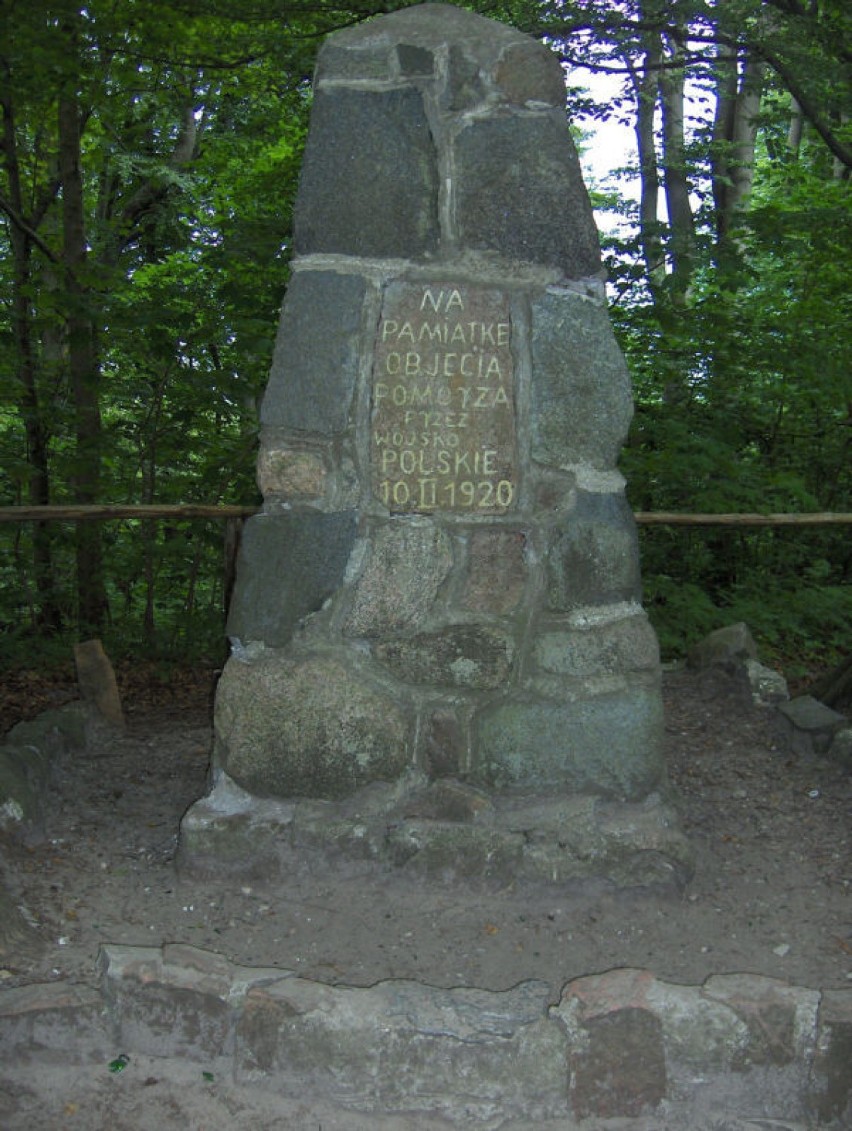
point(443, 412)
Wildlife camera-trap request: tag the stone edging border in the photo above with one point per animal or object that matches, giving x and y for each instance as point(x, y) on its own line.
point(616, 1045)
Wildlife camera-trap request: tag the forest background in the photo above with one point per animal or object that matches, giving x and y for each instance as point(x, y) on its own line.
point(150, 158)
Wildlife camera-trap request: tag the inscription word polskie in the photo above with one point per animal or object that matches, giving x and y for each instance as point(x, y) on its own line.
point(443, 414)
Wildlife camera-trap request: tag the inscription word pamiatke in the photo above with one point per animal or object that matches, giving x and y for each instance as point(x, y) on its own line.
point(443, 411)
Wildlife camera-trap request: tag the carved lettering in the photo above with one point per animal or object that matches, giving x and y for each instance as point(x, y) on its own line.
point(443, 414)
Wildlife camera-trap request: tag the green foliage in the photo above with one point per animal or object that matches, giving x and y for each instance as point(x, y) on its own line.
point(193, 123)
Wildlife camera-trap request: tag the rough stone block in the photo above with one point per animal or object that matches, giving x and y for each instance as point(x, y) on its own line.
point(405, 566)
point(841, 747)
point(306, 728)
point(289, 564)
point(53, 1021)
point(315, 363)
point(456, 851)
point(745, 1037)
point(729, 647)
point(496, 571)
point(402, 1046)
point(607, 744)
point(97, 682)
point(176, 1000)
point(832, 1079)
point(291, 474)
point(444, 742)
point(529, 72)
point(767, 686)
point(232, 833)
point(807, 727)
point(364, 61)
point(781, 1019)
point(24, 776)
point(635, 845)
point(594, 559)
point(465, 656)
point(511, 202)
point(360, 139)
point(625, 645)
point(164, 1008)
point(581, 402)
point(466, 86)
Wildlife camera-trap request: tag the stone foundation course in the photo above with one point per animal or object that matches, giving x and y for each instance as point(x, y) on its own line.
point(618, 1045)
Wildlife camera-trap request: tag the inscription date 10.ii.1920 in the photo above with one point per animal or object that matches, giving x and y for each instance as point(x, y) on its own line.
point(443, 415)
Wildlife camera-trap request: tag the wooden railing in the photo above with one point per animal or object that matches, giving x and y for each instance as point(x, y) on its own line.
point(105, 512)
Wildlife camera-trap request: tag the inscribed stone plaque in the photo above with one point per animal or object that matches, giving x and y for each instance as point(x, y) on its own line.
point(443, 411)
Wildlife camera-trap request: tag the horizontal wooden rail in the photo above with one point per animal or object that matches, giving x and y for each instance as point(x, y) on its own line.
point(105, 512)
point(677, 518)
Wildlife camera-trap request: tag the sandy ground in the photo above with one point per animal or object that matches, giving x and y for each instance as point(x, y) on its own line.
point(772, 895)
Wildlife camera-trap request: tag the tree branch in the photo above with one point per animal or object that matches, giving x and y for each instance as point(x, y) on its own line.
point(31, 234)
point(842, 152)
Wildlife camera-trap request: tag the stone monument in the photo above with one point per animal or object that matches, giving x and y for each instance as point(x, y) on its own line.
point(439, 655)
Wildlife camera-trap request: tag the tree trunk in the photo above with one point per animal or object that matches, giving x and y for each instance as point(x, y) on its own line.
point(675, 180)
point(646, 86)
point(83, 364)
point(739, 92)
point(47, 614)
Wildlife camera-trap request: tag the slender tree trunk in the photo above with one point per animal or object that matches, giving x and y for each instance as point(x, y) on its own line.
point(83, 366)
point(676, 182)
point(739, 92)
point(796, 128)
point(646, 86)
point(47, 614)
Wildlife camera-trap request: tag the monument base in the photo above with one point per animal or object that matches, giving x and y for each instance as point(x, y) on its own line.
point(446, 831)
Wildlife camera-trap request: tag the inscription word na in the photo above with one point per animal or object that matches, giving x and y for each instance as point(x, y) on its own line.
point(443, 412)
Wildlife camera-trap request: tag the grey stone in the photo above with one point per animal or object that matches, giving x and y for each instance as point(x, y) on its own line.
point(581, 401)
point(366, 61)
point(728, 647)
point(628, 644)
point(733, 1037)
point(450, 800)
point(621, 1071)
point(26, 761)
point(315, 365)
point(401, 1046)
point(606, 744)
point(496, 571)
point(806, 726)
point(289, 564)
point(359, 140)
point(457, 656)
point(176, 1001)
point(455, 852)
point(466, 86)
point(53, 1022)
point(406, 565)
point(767, 686)
point(306, 728)
point(444, 741)
point(832, 1080)
point(520, 193)
point(841, 747)
point(633, 845)
point(528, 72)
point(455, 833)
point(232, 833)
point(24, 776)
point(594, 559)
